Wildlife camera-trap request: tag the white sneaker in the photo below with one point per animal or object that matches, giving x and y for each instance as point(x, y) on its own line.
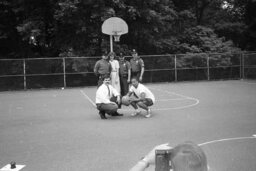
point(136, 113)
point(148, 115)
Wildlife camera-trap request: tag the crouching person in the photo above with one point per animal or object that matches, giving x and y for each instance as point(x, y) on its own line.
point(107, 99)
point(142, 97)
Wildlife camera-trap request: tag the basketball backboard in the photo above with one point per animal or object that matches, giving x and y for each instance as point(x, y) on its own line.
point(114, 26)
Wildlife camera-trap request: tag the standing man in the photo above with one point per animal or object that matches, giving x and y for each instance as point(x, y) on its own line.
point(102, 67)
point(137, 66)
point(124, 74)
point(143, 97)
point(107, 99)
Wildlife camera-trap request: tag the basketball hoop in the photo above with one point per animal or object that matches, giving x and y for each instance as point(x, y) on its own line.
point(114, 27)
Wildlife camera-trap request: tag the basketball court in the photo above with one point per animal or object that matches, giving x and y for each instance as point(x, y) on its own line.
point(61, 130)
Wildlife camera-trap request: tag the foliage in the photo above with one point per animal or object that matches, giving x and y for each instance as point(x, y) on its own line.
point(73, 27)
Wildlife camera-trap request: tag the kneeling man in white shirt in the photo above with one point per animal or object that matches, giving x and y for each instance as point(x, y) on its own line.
point(107, 99)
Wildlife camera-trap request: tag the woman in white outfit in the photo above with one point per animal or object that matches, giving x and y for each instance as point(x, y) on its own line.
point(115, 82)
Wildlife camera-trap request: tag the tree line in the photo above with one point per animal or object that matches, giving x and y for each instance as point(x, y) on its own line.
point(51, 28)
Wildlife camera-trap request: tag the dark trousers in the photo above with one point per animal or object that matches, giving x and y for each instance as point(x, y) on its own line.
point(109, 108)
point(124, 84)
point(143, 104)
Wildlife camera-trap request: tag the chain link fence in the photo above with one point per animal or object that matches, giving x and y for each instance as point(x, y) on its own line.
point(38, 73)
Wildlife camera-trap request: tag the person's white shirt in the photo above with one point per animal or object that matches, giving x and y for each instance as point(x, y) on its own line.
point(142, 89)
point(103, 94)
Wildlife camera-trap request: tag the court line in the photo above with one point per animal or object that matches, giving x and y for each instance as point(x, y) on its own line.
point(170, 92)
point(162, 100)
point(88, 98)
point(226, 139)
point(197, 101)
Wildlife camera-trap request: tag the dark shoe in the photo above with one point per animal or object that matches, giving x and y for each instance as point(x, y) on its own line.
point(102, 115)
point(117, 114)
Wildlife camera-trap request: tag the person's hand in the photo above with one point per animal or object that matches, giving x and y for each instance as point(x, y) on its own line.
point(140, 79)
point(128, 80)
point(150, 157)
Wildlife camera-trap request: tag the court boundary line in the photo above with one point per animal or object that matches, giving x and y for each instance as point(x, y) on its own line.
point(197, 101)
point(88, 98)
point(226, 139)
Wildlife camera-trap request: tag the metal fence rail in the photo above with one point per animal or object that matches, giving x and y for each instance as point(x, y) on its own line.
point(32, 73)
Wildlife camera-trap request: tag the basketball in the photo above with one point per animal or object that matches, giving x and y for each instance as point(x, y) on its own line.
point(126, 100)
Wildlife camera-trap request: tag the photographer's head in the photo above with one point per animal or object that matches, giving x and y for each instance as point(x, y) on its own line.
point(188, 156)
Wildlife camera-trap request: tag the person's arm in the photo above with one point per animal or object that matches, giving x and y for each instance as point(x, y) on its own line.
point(110, 67)
point(140, 166)
point(141, 73)
point(96, 68)
point(117, 71)
point(142, 69)
point(116, 94)
point(129, 93)
point(129, 72)
point(149, 159)
point(135, 99)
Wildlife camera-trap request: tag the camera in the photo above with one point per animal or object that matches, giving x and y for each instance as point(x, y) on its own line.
point(163, 160)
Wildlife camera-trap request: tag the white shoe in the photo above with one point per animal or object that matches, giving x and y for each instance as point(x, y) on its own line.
point(148, 115)
point(135, 113)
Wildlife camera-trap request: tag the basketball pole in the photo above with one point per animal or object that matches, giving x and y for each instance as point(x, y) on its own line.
point(111, 43)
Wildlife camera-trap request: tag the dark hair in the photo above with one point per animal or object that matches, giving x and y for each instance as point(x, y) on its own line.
point(112, 53)
point(104, 53)
point(105, 76)
point(134, 52)
point(136, 78)
point(121, 55)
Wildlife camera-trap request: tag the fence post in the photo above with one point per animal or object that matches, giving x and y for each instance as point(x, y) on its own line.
point(241, 76)
point(208, 67)
point(175, 68)
point(64, 72)
point(242, 65)
point(24, 75)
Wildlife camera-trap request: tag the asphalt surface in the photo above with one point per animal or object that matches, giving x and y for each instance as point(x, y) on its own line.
point(59, 130)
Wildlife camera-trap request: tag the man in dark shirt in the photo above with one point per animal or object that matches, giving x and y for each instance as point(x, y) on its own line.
point(124, 74)
point(102, 67)
point(137, 66)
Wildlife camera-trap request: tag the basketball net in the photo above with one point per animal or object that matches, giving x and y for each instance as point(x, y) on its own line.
point(116, 37)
